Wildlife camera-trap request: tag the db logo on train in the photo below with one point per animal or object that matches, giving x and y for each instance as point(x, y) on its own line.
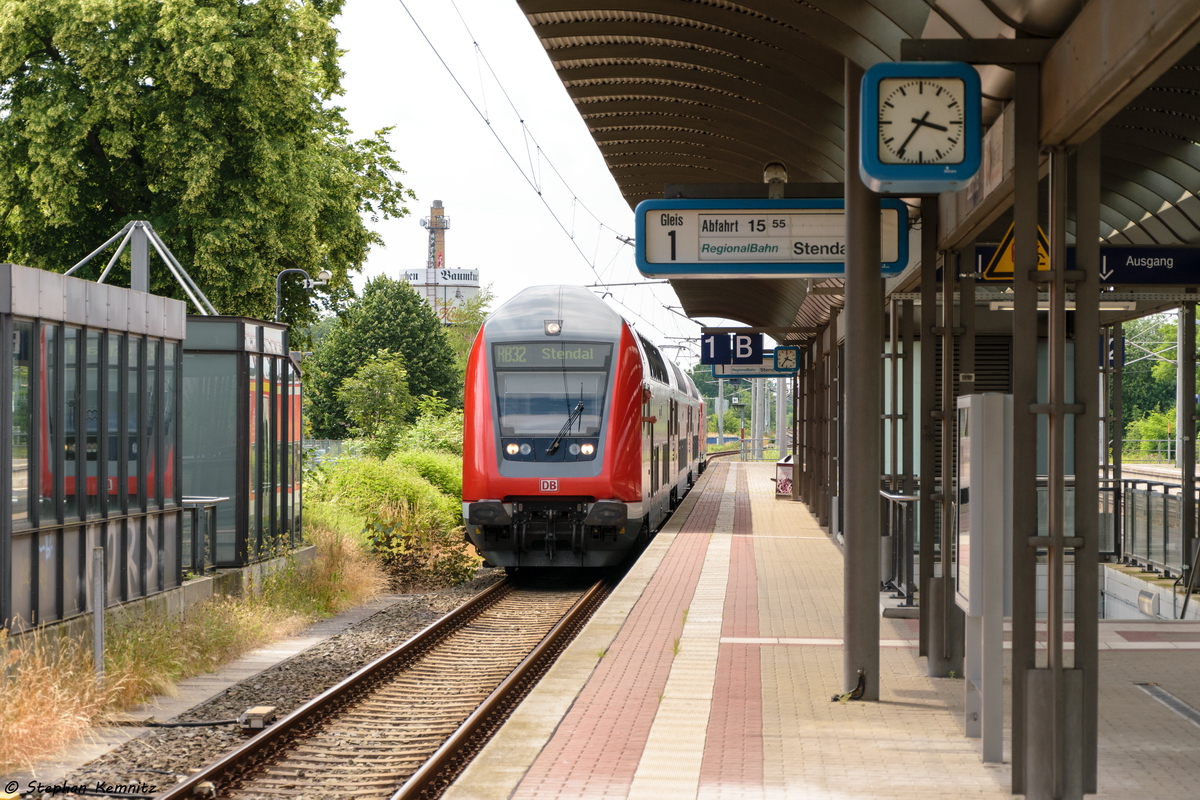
point(549, 486)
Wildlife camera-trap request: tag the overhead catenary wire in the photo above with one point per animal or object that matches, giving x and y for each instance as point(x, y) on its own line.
point(533, 178)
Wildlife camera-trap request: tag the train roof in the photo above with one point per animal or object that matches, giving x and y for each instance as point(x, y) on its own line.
point(583, 315)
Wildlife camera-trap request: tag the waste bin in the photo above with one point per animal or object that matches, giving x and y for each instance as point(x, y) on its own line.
point(783, 477)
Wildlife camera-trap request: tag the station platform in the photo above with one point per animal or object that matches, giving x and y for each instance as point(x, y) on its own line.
point(709, 671)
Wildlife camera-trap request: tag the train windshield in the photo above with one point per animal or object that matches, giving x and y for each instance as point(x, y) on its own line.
point(539, 388)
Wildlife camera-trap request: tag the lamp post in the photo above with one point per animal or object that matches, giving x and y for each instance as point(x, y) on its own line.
point(322, 278)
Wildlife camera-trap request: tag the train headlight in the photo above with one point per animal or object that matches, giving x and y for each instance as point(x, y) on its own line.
point(526, 449)
point(553, 327)
point(588, 449)
point(513, 449)
point(573, 449)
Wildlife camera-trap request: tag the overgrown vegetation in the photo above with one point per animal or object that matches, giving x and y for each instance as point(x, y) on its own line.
point(50, 695)
point(406, 507)
point(417, 548)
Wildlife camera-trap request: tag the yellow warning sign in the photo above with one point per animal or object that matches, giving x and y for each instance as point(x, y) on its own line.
point(1000, 268)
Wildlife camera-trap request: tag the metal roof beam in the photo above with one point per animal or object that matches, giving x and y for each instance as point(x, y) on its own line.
point(716, 191)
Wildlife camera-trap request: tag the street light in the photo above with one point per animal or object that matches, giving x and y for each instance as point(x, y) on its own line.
point(322, 278)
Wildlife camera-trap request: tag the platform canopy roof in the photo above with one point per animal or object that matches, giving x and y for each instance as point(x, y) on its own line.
point(709, 91)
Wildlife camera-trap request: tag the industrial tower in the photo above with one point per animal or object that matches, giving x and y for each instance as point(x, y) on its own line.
point(442, 288)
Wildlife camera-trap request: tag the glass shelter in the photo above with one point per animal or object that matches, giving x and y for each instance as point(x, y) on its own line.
point(91, 452)
point(241, 437)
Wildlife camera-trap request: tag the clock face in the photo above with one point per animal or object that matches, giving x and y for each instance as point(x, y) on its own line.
point(921, 121)
point(785, 358)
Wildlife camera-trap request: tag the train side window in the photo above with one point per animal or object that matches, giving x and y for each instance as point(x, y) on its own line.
point(658, 367)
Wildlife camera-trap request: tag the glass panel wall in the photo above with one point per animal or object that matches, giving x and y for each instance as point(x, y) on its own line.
point(269, 485)
point(87, 417)
point(73, 464)
point(255, 463)
point(152, 438)
point(48, 571)
point(22, 581)
point(134, 415)
point(133, 558)
point(90, 463)
point(210, 446)
point(293, 427)
point(261, 427)
point(118, 478)
point(22, 425)
point(50, 444)
point(73, 577)
point(170, 433)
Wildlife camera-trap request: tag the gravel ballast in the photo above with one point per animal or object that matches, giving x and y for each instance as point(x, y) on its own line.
point(160, 757)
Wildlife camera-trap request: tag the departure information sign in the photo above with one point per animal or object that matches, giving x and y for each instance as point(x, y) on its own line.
point(758, 238)
point(557, 355)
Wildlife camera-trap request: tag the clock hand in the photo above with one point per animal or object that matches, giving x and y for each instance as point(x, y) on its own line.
point(916, 128)
point(922, 121)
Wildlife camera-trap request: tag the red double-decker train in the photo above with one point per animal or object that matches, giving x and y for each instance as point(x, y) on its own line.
point(579, 439)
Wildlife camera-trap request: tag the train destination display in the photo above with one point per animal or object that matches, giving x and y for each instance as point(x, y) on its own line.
point(757, 238)
point(557, 355)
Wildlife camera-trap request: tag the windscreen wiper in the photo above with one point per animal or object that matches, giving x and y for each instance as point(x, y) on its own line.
point(575, 415)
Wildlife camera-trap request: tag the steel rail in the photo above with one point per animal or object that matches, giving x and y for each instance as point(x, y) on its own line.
point(448, 760)
point(258, 748)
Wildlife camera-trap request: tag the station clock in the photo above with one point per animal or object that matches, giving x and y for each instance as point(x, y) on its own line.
point(920, 127)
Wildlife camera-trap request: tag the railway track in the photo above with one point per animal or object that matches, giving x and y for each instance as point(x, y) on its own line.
point(406, 724)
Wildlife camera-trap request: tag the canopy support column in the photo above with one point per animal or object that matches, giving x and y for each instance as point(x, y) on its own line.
point(863, 406)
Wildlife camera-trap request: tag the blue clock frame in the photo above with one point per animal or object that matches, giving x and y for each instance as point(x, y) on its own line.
point(919, 178)
point(787, 370)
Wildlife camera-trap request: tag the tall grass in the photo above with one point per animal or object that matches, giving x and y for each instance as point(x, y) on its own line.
point(50, 696)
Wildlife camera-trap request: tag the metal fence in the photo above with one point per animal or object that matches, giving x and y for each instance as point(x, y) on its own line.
point(1149, 451)
point(1152, 528)
point(318, 450)
point(1151, 524)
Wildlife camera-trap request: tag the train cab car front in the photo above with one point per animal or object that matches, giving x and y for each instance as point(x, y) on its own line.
point(551, 441)
point(565, 531)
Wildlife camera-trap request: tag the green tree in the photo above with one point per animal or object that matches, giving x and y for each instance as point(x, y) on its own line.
point(1148, 376)
point(701, 375)
point(389, 316)
point(464, 325)
point(1153, 434)
point(212, 119)
point(377, 401)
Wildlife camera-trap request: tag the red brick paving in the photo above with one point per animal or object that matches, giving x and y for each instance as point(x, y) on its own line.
point(597, 747)
point(733, 746)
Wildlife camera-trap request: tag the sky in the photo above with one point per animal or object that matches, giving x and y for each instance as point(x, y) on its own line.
point(528, 195)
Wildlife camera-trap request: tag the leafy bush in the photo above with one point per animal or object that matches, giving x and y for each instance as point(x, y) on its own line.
point(1153, 434)
point(377, 401)
point(363, 485)
point(436, 428)
point(416, 548)
point(442, 469)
